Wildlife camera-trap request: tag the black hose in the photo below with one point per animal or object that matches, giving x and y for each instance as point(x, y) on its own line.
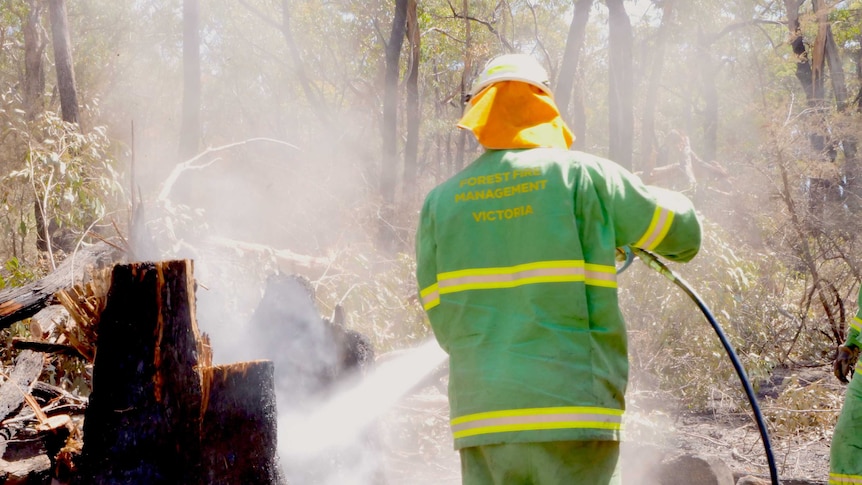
point(653, 262)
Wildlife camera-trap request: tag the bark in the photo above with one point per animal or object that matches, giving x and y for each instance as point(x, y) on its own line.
point(411, 146)
point(143, 422)
point(390, 102)
point(28, 367)
point(239, 425)
point(63, 61)
point(621, 85)
point(190, 128)
point(805, 72)
point(569, 66)
point(461, 144)
point(34, 68)
point(389, 165)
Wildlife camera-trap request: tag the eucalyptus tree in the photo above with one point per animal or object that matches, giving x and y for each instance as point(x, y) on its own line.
point(63, 61)
point(620, 85)
point(568, 71)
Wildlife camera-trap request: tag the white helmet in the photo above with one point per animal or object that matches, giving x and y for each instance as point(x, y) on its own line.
point(512, 67)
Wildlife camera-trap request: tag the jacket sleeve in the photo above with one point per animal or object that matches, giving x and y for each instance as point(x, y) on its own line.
point(426, 258)
point(853, 337)
point(650, 218)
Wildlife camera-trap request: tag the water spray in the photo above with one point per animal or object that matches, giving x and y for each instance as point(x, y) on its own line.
point(653, 262)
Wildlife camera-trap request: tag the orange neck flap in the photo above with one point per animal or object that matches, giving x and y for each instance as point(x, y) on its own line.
point(513, 114)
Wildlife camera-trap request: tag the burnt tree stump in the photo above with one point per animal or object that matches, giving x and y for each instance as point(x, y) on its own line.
point(155, 393)
point(239, 416)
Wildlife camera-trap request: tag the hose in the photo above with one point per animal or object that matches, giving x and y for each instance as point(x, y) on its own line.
point(653, 262)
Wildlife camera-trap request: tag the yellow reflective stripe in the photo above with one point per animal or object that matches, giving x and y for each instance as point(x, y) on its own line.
point(841, 479)
point(657, 230)
point(856, 324)
point(535, 419)
point(600, 275)
point(430, 297)
point(525, 274)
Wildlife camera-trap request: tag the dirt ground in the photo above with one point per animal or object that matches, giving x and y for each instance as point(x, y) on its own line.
point(418, 448)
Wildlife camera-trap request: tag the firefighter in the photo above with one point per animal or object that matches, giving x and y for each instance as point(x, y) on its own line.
point(516, 271)
point(845, 461)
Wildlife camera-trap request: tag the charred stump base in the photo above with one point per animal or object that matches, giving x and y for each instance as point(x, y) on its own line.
point(239, 425)
point(159, 413)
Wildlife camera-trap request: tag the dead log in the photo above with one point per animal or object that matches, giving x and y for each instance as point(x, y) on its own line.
point(239, 425)
point(28, 367)
point(22, 302)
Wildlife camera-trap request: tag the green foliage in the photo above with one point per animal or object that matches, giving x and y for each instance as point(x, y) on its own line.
point(69, 173)
point(15, 274)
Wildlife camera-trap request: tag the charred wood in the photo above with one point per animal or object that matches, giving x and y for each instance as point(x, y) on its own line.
point(239, 425)
point(143, 421)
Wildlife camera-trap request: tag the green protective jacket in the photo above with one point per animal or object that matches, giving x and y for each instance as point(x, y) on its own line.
point(845, 464)
point(516, 270)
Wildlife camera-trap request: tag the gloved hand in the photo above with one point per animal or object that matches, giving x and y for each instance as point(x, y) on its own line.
point(844, 362)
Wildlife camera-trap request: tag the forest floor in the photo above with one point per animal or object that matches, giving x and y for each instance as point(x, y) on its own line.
point(419, 447)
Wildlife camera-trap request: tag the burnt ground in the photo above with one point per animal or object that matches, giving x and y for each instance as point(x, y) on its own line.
point(800, 406)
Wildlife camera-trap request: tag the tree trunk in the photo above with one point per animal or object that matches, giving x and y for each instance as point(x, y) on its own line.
point(461, 144)
point(389, 165)
point(569, 66)
point(190, 128)
point(839, 88)
point(651, 96)
point(411, 146)
point(34, 68)
point(63, 61)
point(811, 83)
point(390, 103)
point(620, 98)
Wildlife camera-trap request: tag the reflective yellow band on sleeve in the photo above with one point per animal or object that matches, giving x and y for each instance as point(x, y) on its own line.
point(535, 419)
point(657, 230)
point(430, 296)
point(842, 479)
point(600, 275)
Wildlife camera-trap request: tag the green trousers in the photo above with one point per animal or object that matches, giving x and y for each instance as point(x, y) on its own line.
point(845, 455)
point(548, 463)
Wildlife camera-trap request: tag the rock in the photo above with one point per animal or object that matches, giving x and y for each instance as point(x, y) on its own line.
point(689, 469)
